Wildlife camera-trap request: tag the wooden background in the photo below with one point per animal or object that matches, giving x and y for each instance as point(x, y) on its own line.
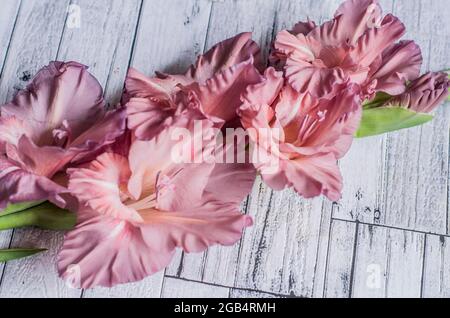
point(387, 237)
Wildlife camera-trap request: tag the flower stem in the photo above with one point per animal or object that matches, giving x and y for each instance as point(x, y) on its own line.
point(46, 216)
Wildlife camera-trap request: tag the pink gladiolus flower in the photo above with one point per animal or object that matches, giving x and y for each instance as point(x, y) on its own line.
point(424, 94)
point(57, 120)
point(213, 86)
point(137, 207)
point(299, 136)
point(357, 46)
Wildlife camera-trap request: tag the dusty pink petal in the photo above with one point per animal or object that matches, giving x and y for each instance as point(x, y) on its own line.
point(374, 41)
point(220, 96)
point(18, 185)
point(59, 92)
point(100, 186)
point(103, 132)
point(356, 17)
point(44, 160)
point(265, 92)
point(399, 64)
point(11, 130)
point(303, 27)
point(223, 56)
point(425, 93)
point(104, 251)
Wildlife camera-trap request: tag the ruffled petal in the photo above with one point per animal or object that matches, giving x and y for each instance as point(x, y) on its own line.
point(375, 40)
point(220, 96)
point(399, 64)
point(356, 17)
point(315, 175)
point(104, 251)
point(223, 56)
point(100, 186)
point(18, 185)
point(59, 92)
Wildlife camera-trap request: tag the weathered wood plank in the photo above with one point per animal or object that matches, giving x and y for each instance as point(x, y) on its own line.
point(388, 263)
point(436, 274)
point(35, 42)
point(103, 41)
point(242, 293)
point(8, 16)
point(219, 264)
point(178, 288)
point(148, 288)
point(339, 260)
point(284, 252)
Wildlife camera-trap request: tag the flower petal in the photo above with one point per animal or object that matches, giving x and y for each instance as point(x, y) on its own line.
point(99, 186)
point(399, 64)
point(59, 92)
point(18, 185)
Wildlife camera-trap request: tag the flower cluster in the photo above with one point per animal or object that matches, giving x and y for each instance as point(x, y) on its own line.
point(136, 203)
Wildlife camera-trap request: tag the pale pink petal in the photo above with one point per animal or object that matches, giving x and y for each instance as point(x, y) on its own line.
point(59, 92)
point(11, 130)
point(104, 251)
point(316, 175)
point(100, 186)
point(18, 185)
point(147, 118)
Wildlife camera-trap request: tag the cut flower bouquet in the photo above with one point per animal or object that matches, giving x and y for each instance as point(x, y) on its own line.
point(169, 167)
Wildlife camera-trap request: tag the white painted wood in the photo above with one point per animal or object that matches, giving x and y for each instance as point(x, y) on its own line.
point(284, 251)
point(177, 288)
point(388, 263)
point(338, 277)
point(171, 34)
point(101, 42)
point(436, 279)
point(148, 288)
point(242, 293)
point(8, 15)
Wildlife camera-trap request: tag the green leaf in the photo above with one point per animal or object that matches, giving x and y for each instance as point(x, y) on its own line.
point(376, 121)
point(380, 99)
point(46, 216)
point(13, 208)
point(9, 255)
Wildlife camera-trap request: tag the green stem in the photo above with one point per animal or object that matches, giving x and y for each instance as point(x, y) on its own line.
point(9, 255)
point(46, 216)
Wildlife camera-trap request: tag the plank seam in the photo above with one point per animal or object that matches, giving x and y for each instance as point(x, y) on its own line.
point(10, 40)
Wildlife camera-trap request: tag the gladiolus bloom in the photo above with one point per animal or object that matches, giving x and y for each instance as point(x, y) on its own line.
point(137, 208)
point(57, 120)
point(310, 135)
point(213, 85)
point(357, 46)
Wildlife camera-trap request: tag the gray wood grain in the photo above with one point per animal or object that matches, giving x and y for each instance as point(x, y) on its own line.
point(8, 16)
point(388, 263)
point(436, 274)
point(177, 288)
